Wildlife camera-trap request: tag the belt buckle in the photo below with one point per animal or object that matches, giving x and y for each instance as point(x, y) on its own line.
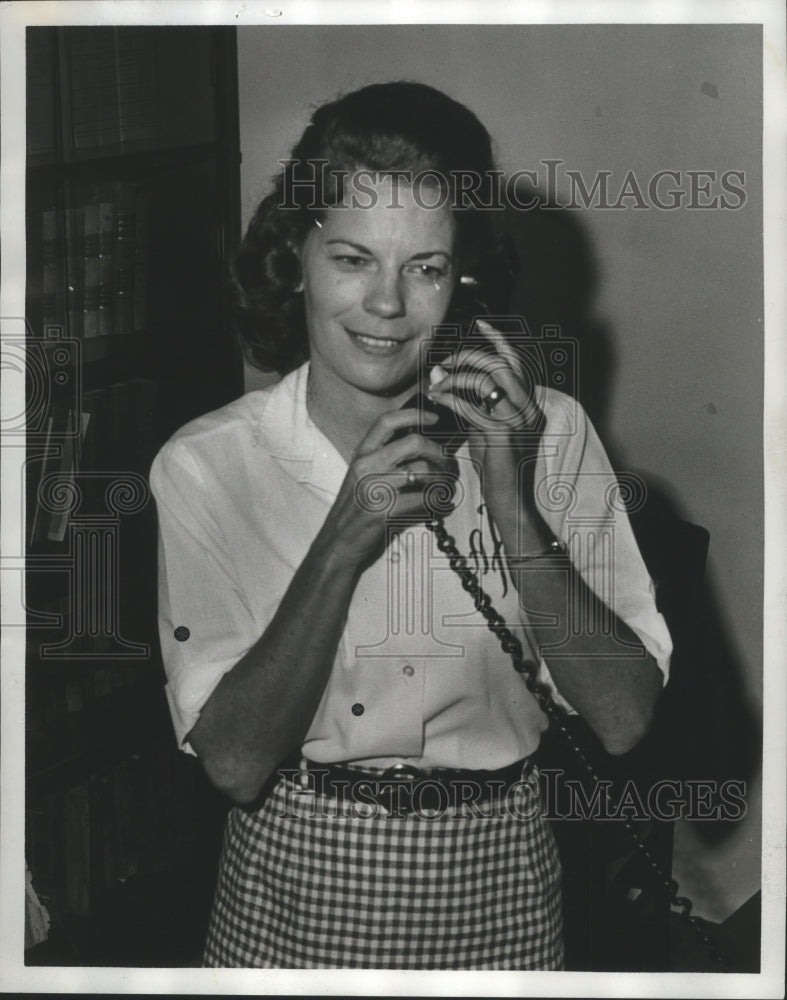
point(399, 775)
point(403, 772)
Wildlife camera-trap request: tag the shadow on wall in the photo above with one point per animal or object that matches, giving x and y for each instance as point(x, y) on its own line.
point(706, 729)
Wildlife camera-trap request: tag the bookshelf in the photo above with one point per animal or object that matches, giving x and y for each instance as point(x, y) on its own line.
point(132, 206)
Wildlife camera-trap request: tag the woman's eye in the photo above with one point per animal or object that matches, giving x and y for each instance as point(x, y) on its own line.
point(351, 261)
point(431, 272)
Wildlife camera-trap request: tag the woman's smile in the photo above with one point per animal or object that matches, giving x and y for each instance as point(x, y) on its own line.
point(377, 346)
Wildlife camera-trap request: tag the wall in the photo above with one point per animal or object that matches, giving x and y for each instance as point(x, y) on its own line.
point(671, 300)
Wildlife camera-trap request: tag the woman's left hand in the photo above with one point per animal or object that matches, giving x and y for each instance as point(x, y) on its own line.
point(505, 432)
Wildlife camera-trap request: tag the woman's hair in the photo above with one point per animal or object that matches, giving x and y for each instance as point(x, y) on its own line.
point(387, 127)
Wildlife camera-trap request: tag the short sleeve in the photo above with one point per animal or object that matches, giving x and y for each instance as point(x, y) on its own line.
point(205, 623)
point(584, 502)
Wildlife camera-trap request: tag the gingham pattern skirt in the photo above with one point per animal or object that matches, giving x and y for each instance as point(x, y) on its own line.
point(302, 887)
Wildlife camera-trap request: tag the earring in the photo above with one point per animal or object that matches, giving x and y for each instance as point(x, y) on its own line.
point(298, 287)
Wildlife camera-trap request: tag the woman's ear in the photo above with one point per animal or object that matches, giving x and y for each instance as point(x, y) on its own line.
point(296, 265)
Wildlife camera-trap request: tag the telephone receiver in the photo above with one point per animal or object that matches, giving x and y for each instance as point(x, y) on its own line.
point(450, 430)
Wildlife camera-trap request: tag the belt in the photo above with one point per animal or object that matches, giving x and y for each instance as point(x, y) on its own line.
point(404, 788)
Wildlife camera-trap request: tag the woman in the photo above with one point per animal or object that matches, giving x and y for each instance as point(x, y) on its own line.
point(323, 659)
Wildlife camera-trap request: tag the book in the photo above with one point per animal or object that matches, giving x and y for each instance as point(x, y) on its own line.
point(75, 269)
point(141, 257)
point(90, 266)
point(124, 259)
point(36, 532)
point(53, 313)
point(95, 121)
point(74, 429)
point(112, 73)
point(106, 235)
point(135, 65)
point(58, 518)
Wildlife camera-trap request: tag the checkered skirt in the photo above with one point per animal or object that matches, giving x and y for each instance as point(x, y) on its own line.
point(302, 887)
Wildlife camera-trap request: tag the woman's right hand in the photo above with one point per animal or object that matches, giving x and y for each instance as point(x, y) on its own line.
point(379, 486)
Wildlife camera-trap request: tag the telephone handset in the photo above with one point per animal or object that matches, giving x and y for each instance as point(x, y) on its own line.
point(451, 431)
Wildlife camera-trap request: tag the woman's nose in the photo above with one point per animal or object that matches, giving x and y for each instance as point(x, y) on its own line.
point(384, 295)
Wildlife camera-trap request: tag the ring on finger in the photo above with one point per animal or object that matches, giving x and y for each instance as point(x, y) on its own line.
point(491, 400)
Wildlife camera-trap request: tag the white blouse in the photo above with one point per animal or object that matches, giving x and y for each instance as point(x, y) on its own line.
point(242, 492)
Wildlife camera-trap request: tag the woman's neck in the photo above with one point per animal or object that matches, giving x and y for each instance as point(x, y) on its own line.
point(344, 413)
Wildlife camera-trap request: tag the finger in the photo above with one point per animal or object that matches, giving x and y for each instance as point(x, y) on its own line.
point(473, 388)
point(410, 448)
point(463, 394)
point(406, 492)
point(472, 357)
point(418, 467)
point(470, 415)
point(388, 424)
point(476, 385)
point(500, 344)
point(489, 370)
point(428, 495)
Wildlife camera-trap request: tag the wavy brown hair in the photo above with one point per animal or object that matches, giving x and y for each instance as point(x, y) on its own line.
point(386, 127)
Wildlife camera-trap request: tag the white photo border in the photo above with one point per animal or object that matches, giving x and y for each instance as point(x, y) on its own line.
point(14, 17)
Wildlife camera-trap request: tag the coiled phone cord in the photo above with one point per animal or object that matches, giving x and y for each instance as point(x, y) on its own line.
point(527, 670)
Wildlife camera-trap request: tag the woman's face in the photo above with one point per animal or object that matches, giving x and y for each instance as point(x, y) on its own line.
point(375, 281)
